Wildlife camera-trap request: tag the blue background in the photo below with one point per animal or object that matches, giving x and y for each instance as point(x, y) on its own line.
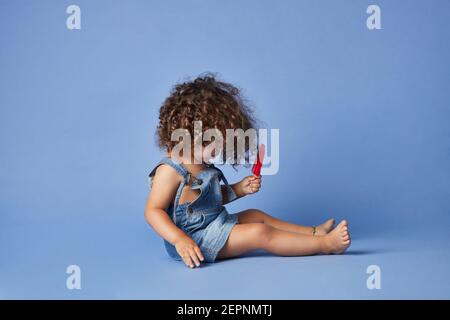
point(364, 135)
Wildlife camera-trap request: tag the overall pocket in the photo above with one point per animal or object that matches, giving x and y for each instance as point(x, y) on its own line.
point(194, 221)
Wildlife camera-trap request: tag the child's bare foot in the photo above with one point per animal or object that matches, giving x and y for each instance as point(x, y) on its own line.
point(338, 240)
point(325, 227)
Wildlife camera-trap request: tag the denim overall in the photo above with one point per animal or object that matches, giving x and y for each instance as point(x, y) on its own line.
point(205, 219)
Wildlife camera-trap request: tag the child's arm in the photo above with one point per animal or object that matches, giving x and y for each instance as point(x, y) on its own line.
point(163, 191)
point(246, 186)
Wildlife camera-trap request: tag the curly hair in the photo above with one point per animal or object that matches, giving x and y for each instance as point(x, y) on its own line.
point(218, 105)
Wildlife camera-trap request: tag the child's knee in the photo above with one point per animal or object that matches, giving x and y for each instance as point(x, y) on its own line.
point(262, 233)
point(260, 214)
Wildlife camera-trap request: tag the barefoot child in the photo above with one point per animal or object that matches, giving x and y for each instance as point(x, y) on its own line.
point(186, 201)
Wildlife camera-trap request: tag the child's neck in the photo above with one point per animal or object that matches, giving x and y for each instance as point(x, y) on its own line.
point(189, 164)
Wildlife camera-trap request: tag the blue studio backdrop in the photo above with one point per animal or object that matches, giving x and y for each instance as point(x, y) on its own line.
point(364, 134)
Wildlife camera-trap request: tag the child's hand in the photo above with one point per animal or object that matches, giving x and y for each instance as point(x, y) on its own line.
point(250, 184)
point(189, 251)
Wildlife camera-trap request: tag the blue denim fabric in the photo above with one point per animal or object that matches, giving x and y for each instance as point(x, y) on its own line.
point(205, 219)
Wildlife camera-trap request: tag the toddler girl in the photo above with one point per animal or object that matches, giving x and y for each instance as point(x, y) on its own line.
point(187, 197)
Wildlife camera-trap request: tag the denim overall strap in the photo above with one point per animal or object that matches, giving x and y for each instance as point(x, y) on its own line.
point(230, 192)
point(183, 172)
point(221, 175)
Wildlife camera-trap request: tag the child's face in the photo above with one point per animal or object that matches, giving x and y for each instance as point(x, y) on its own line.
point(210, 150)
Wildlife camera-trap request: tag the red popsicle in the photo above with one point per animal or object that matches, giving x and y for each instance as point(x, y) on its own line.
point(256, 170)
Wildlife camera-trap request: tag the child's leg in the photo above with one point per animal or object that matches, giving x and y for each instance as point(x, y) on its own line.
point(251, 236)
point(258, 216)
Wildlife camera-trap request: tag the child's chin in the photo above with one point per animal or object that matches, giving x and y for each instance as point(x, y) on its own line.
point(212, 159)
point(206, 159)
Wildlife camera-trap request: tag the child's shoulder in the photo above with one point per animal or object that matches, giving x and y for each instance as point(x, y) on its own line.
point(164, 173)
point(167, 168)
